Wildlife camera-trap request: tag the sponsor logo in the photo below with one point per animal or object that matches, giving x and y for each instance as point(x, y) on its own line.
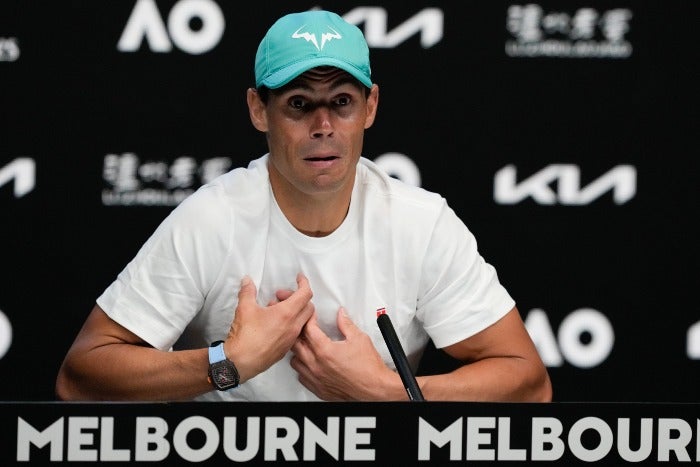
point(23, 172)
point(146, 22)
point(586, 33)
point(621, 179)
point(132, 182)
point(310, 37)
point(585, 338)
point(9, 49)
point(429, 22)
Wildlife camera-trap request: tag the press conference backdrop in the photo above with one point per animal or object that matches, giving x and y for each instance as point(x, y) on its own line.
point(561, 132)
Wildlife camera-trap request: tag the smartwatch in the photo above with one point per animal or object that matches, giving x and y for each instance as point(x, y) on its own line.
point(223, 374)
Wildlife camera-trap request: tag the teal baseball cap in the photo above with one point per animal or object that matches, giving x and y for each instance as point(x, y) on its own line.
point(298, 42)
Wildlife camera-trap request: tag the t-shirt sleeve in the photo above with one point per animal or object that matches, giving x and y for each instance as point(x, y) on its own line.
point(161, 289)
point(460, 293)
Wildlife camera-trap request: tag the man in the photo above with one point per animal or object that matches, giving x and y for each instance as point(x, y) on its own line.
point(266, 283)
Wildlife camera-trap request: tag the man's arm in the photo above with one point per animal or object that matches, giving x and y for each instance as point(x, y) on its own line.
point(501, 364)
point(109, 362)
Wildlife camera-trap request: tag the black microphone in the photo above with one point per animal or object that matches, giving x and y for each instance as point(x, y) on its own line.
point(399, 357)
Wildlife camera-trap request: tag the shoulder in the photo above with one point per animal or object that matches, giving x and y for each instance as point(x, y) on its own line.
point(415, 213)
point(400, 199)
point(239, 184)
point(213, 207)
point(242, 186)
point(377, 182)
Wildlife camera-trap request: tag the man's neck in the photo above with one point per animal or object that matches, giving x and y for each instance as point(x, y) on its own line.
point(315, 215)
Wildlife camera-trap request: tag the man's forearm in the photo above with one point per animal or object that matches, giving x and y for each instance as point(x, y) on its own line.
point(132, 372)
point(510, 379)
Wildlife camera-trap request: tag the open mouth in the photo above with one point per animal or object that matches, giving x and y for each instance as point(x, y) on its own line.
point(321, 159)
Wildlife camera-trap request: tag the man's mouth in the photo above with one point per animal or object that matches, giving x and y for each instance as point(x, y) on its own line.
point(321, 159)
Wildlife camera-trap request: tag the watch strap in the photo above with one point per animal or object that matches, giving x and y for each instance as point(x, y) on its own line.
point(216, 352)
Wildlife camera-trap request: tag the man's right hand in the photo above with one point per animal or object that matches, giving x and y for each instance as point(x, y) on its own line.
point(260, 336)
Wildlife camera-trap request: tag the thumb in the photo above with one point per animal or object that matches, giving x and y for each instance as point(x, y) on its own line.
point(247, 292)
point(345, 324)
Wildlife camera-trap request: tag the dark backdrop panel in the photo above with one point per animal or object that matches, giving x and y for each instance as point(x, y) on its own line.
point(577, 98)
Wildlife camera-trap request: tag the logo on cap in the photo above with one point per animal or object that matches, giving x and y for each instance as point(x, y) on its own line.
point(311, 37)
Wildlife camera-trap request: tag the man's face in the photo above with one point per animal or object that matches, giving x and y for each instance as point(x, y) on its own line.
point(315, 128)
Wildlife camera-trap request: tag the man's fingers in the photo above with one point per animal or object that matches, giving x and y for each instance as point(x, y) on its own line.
point(345, 324)
point(247, 291)
point(283, 294)
point(311, 323)
point(303, 286)
point(313, 333)
point(299, 299)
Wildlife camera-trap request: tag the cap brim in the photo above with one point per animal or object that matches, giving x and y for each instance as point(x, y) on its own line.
point(287, 74)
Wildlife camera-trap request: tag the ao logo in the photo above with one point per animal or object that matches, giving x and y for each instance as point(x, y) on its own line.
point(578, 324)
point(22, 171)
point(5, 334)
point(145, 22)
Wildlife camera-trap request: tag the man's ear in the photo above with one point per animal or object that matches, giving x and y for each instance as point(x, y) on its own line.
point(372, 103)
point(257, 110)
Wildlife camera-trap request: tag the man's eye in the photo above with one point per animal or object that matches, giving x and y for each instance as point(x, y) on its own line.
point(297, 103)
point(342, 101)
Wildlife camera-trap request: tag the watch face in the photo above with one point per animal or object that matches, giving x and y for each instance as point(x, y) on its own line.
point(224, 375)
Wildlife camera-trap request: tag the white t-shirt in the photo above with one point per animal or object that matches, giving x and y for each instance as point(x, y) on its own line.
point(400, 248)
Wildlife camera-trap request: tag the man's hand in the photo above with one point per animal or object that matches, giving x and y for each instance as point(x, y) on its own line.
point(261, 336)
point(350, 369)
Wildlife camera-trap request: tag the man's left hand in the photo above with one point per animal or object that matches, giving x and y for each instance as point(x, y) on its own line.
point(344, 370)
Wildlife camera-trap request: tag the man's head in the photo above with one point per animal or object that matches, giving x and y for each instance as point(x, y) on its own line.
point(299, 42)
point(313, 99)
